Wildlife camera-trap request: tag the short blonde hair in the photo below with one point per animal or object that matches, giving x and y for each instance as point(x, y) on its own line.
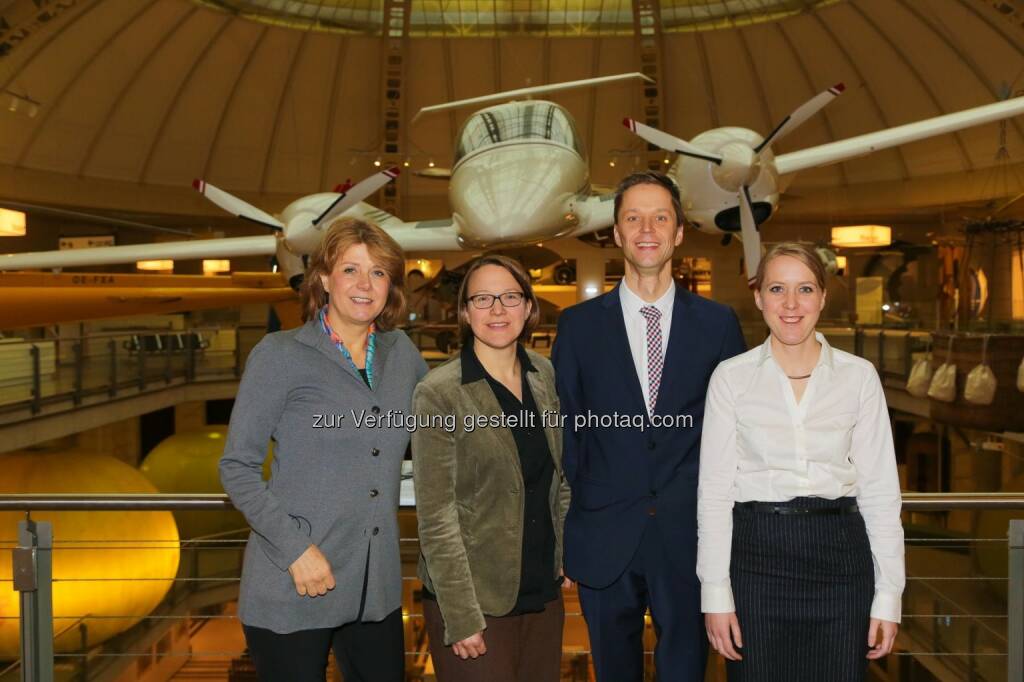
point(341, 235)
point(802, 252)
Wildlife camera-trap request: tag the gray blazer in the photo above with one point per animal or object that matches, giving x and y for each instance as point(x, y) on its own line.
point(333, 483)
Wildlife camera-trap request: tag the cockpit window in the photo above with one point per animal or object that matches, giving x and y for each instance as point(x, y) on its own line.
point(519, 121)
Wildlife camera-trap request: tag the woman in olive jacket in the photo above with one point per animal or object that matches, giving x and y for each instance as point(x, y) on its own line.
point(491, 497)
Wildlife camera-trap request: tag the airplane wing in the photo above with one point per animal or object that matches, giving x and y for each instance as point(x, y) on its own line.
point(595, 212)
point(420, 235)
point(841, 150)
point(230, 247)
point(89, 296)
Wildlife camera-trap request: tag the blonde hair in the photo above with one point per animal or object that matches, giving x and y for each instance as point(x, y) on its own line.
point(802, 252)
point(384, 250)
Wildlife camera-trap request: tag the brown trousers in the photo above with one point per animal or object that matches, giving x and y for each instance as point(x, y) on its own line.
point(526, 648)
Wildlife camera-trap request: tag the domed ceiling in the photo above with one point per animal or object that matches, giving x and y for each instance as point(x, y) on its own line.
point(121, 103)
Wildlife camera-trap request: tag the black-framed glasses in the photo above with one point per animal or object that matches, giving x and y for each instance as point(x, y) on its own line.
point(509, 299)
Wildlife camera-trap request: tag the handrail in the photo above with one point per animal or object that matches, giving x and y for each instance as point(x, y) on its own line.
point(213, 501)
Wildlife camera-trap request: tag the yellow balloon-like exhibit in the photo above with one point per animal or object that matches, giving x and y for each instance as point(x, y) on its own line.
point(188, 462)
point(121, 551)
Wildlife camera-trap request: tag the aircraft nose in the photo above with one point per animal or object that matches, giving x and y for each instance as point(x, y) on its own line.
point(514, 195)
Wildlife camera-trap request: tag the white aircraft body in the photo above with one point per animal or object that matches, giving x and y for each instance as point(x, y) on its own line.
point(521, 176)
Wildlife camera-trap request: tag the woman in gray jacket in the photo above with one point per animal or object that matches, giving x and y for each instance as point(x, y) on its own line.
point(322, 566)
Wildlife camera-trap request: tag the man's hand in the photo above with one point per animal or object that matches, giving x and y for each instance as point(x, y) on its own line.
point(312, 573)
point(881, 637)
point(471, 647)
point(567, 583)
point(723, 632)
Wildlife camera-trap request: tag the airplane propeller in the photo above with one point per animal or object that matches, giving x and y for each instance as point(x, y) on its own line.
point(738, 165)
point(236, 206)
point(288, 251)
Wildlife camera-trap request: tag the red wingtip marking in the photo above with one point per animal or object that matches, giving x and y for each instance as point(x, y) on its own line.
point(839, 86)
point(343, 187)
point(628, 122)
point(197, 185)
point(394, 171)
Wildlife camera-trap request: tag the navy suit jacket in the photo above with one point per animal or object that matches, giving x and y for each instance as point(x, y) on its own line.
point(623, 477)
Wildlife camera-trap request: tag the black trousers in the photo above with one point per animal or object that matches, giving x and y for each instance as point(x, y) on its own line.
point(803, 586)
point(366, 652)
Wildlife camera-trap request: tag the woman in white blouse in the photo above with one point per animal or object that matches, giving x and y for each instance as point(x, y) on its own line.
point(800, 549)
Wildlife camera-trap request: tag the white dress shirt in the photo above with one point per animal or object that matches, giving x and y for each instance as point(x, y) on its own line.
point(636, 329)
point(759, 444)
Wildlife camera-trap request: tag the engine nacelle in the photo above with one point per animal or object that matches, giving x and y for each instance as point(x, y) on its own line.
point(709, 190)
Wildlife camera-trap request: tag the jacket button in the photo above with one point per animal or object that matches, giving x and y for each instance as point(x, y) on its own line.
point(376, 530)
point(375, 409)
point(374, 492)
point(375, 452)
point(651, 511)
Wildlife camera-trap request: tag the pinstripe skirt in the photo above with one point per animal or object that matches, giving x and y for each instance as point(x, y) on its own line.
point(803, 586)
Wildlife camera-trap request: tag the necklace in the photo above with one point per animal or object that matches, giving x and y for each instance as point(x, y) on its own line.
point(805, 376)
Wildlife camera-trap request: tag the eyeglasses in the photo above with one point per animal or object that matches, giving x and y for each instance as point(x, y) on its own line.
point(509, 299)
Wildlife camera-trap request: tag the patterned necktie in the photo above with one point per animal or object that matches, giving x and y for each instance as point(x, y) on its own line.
point(655, 361)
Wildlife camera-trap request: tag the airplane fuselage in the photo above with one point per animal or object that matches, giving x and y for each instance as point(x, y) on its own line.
point(514, 192)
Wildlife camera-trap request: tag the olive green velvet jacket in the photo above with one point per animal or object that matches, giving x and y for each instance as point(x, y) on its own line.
point(469, 496)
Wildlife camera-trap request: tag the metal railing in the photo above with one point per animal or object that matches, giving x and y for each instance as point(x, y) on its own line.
point(66, 372)
point(959, 623)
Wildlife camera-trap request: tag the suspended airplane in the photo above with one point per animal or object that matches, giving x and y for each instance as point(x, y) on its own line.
point(521, 176)
point(729, 178)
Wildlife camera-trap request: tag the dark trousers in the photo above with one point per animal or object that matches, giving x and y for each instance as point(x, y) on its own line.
point(803, 586)
point(615, 618)
point(525, 648)
point(366, 652)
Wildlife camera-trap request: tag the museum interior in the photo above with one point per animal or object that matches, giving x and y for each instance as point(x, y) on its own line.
point(130, 301)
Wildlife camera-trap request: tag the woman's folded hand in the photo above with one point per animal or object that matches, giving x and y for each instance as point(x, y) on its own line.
point(312, 573)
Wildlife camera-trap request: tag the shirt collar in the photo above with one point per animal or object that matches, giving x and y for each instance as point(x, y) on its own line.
point(632, 302)
point(472, 370)
point(824, 358)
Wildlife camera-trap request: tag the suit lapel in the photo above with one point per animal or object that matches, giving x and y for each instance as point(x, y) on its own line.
point(619, 347)
point(546, 403)
point(482, 398)
point(385, 341)
point(312, 334)
point(682, 346)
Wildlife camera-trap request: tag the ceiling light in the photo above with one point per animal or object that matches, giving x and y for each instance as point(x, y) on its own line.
point(12, 223)
point(155, 265)
point(841, 263)
point(611, 163)
point(376, 162)
point(856, 236)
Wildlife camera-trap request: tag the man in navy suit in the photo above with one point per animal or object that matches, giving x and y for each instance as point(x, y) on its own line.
point(640, 354)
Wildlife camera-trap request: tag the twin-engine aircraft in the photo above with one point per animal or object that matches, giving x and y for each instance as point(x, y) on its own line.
point(521, 176)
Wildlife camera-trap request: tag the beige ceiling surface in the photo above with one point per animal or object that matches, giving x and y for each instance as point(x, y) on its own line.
point(140, 96)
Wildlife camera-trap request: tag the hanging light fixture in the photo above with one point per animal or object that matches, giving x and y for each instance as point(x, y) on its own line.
point(12, 223)
point(857, 236)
